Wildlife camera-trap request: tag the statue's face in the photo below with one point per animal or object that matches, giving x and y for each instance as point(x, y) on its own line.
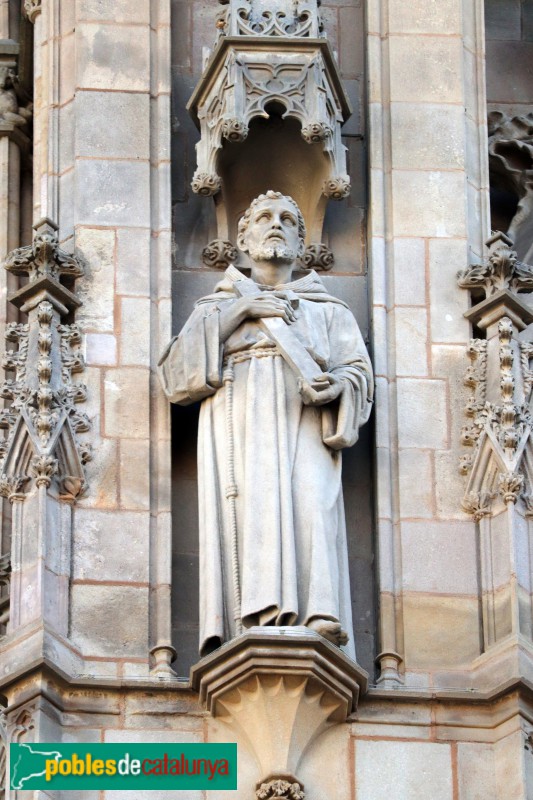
point(272, 233)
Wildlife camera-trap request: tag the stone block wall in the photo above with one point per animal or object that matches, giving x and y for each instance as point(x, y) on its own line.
point(102, 172)
point(509, 28)
point(428, 216)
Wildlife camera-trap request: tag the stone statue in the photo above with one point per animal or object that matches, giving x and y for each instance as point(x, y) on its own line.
point(285, 383)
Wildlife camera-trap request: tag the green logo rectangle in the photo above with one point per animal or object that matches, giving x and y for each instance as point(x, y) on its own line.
point(168, 766)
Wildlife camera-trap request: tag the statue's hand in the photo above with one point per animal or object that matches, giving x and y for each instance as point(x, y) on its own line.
point(319, 397)
point(268, 304)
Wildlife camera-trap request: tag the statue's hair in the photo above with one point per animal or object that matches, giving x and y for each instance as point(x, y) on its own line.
point(270, 195)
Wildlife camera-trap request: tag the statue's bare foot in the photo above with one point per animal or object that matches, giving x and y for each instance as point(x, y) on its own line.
point(330, 630)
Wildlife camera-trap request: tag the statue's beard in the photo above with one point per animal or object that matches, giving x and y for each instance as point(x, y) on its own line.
point(273, 252)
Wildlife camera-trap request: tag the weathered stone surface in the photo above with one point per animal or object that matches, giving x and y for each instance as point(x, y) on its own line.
point(427, 203)
point(112, 55)
point(118, 11)
point(426, 73)
point(476, 774)
point(411, 329)
point(126, 393)
point(98, 204)
point(449, 551)
point(96, 288)
point(129, 134)
point(403, 770)
point(99, 552)
point(438, 131)
point(422, 418)
point(421, 17)
point(440, 631)
point(99, 628)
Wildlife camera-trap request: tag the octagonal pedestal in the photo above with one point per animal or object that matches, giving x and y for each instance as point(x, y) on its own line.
point(278, 689)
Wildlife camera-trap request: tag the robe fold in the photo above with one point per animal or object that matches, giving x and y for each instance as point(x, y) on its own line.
point(285, 460)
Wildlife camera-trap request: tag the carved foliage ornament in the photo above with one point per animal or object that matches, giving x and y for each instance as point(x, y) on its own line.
point(499, 461)
point(280, 789)
point(318, 256)
point(219, 254)
point(503, 426)
point(42, 420)
point(43, 258)
point(32, 8)
point(501, 270)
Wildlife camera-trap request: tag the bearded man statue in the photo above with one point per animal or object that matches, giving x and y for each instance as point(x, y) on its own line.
point(285, 383)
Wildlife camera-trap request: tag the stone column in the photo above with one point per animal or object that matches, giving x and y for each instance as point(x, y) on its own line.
point(14, 145)
point(119, 212)
point(42, 458)
point(498, 461)
point(428, 218)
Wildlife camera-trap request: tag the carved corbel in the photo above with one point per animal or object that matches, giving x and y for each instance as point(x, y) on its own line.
point(32, 8)
point(262, 676)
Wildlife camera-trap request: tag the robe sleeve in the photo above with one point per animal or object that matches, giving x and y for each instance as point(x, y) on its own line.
point(349, 361)
point(191, 365)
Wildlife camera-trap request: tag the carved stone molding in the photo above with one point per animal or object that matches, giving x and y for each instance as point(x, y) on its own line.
point(163, 656)
point(501, 270)
point(299, 19)
point(292, 675)
point(318, 256)
point(12, 486)
point(499, 461)
point(280, 788)
point(219, 254)
point(389, 668)
point(32, 8)
point(43, 420)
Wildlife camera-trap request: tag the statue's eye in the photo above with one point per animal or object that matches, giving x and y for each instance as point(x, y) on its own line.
point(289, 219)
point(264, 216)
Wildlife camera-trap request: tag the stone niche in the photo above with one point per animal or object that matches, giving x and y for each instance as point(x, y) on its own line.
point(198, 220)
point(509, 29)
